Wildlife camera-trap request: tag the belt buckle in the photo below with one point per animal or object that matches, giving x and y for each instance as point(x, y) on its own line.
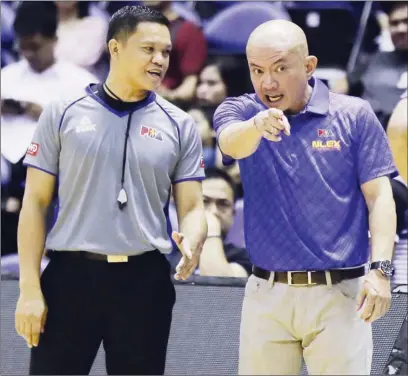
point(309, 279)
point(117, 258)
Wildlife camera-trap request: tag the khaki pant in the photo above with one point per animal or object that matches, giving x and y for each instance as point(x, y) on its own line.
point(280, 323)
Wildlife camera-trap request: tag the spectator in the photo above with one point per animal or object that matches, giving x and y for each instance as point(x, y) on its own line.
point(202, 118)
point(222, 76)
point(398, 136)
point(382, 78)
point(187, 56)
point(219, 259)
point(26, 87)
point(81, 36)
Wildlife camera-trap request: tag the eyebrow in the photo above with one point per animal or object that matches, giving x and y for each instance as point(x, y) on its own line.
point(282, 59)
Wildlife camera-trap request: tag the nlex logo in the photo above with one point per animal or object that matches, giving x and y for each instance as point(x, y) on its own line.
point(151, 133)
point(326, 145)
point(33, 149)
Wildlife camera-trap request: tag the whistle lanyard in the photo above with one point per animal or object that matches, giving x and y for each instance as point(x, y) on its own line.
point(122, 196)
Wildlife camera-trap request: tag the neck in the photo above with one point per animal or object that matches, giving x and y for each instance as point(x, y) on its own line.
point(301, 106)
point(123, 89)
point(45, 67)
point(68, 14)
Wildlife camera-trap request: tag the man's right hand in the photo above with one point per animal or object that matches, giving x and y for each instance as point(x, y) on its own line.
point(270, 123)
point(30, 315)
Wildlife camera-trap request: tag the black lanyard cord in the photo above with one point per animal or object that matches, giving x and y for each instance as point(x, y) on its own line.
point(122, 196)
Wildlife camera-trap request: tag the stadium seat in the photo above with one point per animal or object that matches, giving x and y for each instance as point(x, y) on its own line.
point(228, 31)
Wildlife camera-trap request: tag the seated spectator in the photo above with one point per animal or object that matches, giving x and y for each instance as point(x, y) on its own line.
point(382, 78)
point(202, 119)
point(222, 77)
point(187, 57)
point(397, 133)
point(81, 36)
point(219, 259)
point(26, 87)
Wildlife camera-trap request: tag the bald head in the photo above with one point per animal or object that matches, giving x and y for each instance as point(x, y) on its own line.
point(281, 35)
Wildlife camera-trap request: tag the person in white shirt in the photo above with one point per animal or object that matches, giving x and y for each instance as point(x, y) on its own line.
point(26, 87)
point(31, 83)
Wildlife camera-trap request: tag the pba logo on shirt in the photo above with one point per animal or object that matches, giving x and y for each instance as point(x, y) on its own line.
point(324, 133)
point(151, 133)
point(33, 149)
point(202, 164)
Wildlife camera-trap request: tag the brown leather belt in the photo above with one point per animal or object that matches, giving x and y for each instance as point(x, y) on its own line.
point(308, 278)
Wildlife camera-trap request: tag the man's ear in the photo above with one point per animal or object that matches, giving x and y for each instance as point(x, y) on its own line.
point(113, 47)
point(310, 65)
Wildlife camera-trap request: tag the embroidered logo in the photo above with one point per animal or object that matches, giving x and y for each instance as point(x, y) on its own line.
point(33, 149)
point(85, 125)
point(324, 133)
point(326, 145)
point(202, 164)
point(151, 133)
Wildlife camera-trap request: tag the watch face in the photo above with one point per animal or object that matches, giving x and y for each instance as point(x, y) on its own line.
point(387, 268)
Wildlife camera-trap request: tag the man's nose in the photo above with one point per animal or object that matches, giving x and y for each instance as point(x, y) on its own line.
point(212, 208)
point(158, 59)
point(270, 83)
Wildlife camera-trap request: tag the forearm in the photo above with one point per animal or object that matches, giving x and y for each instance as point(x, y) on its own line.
point(31, 237)
point(382, 225)
point(213, 262)
point(240, 140)
point(185, 92)
point(194, 227)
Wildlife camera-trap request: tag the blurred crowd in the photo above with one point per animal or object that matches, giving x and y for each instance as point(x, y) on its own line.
point(51, 49)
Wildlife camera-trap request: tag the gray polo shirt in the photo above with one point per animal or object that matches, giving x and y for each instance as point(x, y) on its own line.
point(81, 141)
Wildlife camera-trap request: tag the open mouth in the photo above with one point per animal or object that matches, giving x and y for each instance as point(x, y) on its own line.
point(274, 98)
point(154, 74)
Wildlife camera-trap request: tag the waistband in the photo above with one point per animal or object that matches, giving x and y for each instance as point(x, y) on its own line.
point(100, 257)
point(309, 278)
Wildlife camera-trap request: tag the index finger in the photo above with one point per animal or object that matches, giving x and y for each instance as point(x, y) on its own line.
point(286, 125)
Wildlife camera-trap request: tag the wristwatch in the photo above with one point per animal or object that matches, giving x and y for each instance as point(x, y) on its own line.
point(384, 266)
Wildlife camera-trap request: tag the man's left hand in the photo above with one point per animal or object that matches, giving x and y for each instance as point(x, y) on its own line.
point(376, 294)
point(189, 259)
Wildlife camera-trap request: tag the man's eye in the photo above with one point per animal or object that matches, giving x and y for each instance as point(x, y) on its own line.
point(281, 68)
point(257, 71)
point(148, 49)
point(166, 53)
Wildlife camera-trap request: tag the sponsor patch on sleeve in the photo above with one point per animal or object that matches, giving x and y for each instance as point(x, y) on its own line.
point(33, 149)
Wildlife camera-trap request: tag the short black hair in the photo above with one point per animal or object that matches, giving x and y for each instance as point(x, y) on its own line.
point(125, 20)
point(34, 17)
point(217, 173)
point(390, 6)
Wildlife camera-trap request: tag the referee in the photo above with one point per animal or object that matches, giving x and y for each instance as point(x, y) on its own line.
point(114, 154)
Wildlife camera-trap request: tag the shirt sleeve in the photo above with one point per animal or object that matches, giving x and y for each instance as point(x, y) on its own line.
point(43, 152)
point(374, 157)
point(191, 163)
point(227, 113)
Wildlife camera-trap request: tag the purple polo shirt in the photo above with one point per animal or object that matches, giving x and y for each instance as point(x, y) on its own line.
point(304, 208)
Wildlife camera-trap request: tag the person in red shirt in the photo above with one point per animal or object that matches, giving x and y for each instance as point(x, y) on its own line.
point(187, 57)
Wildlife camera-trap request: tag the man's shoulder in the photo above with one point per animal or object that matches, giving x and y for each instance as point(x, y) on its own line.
point(242, 102)
point(347, 104)
point(176, 113)
point(60, 105)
